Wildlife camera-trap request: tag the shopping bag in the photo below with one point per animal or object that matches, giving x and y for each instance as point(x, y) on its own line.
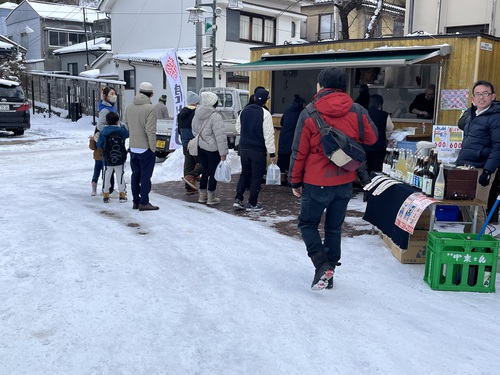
point(192, 146)
point(273, 176)
point(223, 172)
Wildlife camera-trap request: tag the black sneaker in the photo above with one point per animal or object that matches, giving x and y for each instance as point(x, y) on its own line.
point(238, 205)
point(323, 275)
point(330, 282)
point(257, 207)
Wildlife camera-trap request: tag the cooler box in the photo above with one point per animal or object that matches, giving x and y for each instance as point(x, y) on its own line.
point(459, 262)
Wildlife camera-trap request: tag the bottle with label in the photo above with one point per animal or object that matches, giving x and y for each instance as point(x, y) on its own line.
point(487, 276)
point(427, 178)
point(439, 185)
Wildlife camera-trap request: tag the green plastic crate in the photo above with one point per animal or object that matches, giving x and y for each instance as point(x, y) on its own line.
point(459, 262)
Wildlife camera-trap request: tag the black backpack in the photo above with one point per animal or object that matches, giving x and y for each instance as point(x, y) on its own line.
point(115, 152)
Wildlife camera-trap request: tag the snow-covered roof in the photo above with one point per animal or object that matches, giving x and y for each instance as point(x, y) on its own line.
point(65, 12)
point(98, 44)
point(5, 45)
point(186, 56)
point(8, 5)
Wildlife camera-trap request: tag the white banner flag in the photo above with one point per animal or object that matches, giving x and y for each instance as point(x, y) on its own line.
point(170, 66)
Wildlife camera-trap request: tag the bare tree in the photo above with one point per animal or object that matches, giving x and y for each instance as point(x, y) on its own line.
point(345, 7)
point(374, 20)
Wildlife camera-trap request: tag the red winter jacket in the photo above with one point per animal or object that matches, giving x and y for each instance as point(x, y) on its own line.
point(308, 163)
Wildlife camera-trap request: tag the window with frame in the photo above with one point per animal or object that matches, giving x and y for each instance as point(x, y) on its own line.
point(191, 83)
point(64, 38)
point(326, 27)
point(257, 28)
point(73, 68)
point(129, 78)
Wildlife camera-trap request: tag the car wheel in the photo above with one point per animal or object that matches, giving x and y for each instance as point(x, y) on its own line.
point(18, 132)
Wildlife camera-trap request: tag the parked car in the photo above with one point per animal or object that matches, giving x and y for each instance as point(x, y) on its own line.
point(14, 107)
point(231, 102)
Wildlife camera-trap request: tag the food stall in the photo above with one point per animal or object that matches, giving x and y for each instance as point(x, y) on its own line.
point(396, 68)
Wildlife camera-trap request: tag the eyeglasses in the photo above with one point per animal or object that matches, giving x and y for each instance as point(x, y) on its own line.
point(484, 94)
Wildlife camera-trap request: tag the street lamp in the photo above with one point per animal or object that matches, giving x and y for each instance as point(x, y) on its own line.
point(196, 17)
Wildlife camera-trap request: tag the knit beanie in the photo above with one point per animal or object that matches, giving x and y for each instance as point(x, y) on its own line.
point(261, 96)
point(209, 98)
point(163, 98)
point(192, 98)
point(146, 87)
point(333, 78)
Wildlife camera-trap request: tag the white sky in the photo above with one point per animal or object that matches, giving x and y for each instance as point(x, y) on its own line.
point(89, 288)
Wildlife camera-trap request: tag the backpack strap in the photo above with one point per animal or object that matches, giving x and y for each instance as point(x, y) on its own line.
point(357, 109)
point(318, 120)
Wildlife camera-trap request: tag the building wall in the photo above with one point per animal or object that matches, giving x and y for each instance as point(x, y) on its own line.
point(452, 13)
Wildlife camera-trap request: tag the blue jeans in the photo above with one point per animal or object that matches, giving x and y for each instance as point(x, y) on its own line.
point(142, 166)
point(97, 170)
point(333, 201)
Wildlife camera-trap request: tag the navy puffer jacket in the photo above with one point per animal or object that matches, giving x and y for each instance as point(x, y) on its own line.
point(481, 143)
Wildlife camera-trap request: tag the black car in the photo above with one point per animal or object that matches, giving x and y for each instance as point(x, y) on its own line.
point(14, 107)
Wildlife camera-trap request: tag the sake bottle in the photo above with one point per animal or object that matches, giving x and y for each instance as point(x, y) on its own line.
point(440, 184)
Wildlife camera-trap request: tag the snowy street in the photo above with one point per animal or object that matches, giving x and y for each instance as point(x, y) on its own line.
point(90, 289)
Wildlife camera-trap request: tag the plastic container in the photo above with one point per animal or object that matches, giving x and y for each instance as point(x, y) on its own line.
point(459, 262)
point(447, 213)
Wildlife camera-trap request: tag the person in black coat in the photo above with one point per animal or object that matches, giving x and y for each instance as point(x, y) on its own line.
point(364, 96)
point(375, 153)
point(423, 104)
point(288, 123)
point(481, 142)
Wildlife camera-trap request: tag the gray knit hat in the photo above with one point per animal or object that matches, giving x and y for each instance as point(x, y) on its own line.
point(192, 98)
point(208, 98)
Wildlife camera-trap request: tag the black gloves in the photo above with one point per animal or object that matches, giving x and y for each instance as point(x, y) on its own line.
point(363, 176)
point(484, 179)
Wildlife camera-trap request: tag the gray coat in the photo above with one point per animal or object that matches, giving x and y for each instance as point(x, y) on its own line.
point(213, 136)
point(140, 119)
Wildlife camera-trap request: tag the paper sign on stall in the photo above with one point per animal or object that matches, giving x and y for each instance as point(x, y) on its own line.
point(410, 211)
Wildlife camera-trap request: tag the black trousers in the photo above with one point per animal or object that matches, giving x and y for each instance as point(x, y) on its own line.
point(253, 167)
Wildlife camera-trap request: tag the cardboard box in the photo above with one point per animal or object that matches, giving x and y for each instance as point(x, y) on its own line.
point(417, 248)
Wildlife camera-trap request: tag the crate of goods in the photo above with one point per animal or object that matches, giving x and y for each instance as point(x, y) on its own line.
point(459, 262)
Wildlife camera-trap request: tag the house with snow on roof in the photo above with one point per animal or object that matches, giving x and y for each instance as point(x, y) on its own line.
point(75, 58)
point(142, 32)
point(44, 27)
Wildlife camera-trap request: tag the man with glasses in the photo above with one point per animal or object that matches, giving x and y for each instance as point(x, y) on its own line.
point(423, 104)
point(481, 142)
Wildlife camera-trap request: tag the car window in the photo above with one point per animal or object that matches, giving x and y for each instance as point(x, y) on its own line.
point(15, 92)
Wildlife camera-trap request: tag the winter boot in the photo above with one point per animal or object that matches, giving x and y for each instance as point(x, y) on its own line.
point(105, 197)
point(203, 197)
point(322, 277)
point(212, 199)
point(94, 189)
point(123, 197)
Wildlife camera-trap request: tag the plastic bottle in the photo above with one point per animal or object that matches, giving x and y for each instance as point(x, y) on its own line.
point(440, 184)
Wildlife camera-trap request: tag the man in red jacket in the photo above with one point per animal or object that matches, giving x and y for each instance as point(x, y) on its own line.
point(321, 185)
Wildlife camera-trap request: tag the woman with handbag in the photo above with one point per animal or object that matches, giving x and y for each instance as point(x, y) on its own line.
point(212, 145)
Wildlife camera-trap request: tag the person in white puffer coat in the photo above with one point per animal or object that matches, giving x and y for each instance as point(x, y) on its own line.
point(212, 145)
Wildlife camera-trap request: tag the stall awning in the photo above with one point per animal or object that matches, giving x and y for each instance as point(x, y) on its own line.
point(390, 56)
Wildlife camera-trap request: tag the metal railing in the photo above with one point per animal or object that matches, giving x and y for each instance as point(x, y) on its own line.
point(68, 96)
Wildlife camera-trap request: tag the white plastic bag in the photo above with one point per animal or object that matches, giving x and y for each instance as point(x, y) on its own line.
point(273, 176)
point(223, 172)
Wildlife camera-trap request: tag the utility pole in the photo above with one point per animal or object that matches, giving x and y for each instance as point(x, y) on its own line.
point(86, 38)
point(199, 56)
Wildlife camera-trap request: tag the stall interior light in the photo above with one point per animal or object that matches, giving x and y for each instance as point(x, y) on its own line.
point(235, 4)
